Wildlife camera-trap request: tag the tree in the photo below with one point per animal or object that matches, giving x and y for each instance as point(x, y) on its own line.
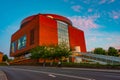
point(112, 51)
point(99, 51)
point(5, 57)
point(62, 50)
point(40, 52)
point(36, 52)
point(51, 52)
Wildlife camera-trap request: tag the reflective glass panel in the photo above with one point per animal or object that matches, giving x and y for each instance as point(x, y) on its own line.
point(63, 32)
point(22, 42)
point(13, 46)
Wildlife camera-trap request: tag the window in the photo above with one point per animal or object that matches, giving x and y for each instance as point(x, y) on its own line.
point(63, 32)
point(13, 47)
point(22, 42)
point(32, 36)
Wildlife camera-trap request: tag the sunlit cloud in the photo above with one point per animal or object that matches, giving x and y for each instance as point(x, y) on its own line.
point(76, 8)
point(90, 10)
point(88, 1)
point(115, 17)
point(84, 23)
point(111, 1)
point(95, 38)
point(118, 47)
point(106, 1)
point(102, 1)
point(102, 39)
point(115, 14)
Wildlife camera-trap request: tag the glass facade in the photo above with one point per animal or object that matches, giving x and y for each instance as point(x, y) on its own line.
point(19, 44)
point(13, 46)
point(22, 42)
point(63, 33)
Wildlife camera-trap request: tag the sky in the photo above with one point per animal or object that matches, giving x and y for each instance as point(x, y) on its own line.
point(99, 19)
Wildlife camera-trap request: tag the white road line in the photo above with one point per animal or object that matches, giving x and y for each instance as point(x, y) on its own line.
point(65, 75)
point(52, 75)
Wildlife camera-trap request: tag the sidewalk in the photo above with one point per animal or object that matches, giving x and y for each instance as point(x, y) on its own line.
point(3, 76)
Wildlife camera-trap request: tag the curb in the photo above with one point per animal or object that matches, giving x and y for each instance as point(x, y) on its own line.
point(91, 69)
point(3, 76)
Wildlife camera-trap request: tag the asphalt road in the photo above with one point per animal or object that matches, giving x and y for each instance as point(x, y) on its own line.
point(46, 73)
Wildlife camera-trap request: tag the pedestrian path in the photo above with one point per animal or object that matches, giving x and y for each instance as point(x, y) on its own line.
point(3, 76)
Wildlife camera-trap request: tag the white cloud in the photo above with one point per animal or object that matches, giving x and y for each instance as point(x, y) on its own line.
point(115, 14)
point(102, 39)
point(85, 23)
point(76, 8)
point(90, 10)
point(102, 1)
point(111, 1)
point(95, 38)
point(106, 1)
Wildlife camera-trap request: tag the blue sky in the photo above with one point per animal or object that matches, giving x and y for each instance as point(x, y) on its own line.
point(99, 19)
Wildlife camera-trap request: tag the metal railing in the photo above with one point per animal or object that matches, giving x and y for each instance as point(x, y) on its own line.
point(102, 59)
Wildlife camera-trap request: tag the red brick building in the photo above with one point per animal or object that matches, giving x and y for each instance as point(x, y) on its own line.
point(45, 29)
point(1, 56)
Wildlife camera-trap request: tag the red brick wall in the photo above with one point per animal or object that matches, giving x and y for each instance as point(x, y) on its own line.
point(76, 37)
point(33, 24)
point(47, 31)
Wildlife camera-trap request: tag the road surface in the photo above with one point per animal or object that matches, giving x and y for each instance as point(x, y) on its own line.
point(47, 73)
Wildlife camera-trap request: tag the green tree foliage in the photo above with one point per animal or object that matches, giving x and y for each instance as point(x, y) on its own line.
point(50, 52)
point(38, 52)
point(5, 57)
point(61, 51)
point(99, 51)
point(112, 51)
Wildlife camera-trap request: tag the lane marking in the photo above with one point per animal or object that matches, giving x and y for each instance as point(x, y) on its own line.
point(51, 75)
point(65, 75)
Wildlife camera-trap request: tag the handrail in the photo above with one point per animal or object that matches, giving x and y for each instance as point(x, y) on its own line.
point(100, 58)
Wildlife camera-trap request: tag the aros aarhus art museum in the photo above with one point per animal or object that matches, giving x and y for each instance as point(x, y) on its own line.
point(46, 29)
